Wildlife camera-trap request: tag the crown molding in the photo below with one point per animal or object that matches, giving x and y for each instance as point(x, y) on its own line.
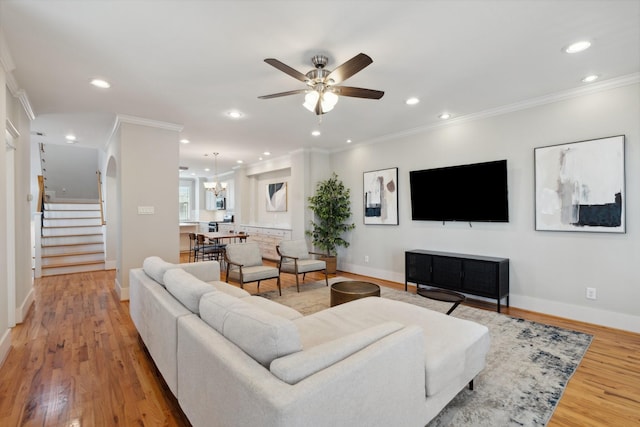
point(123, 118)
point(5, 56)
point(609, 84)
point(26, 105)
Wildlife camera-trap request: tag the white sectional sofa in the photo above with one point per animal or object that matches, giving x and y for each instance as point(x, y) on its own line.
point(233, 359)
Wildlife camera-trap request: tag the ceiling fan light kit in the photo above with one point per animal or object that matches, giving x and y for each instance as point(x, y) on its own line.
point(322, 92)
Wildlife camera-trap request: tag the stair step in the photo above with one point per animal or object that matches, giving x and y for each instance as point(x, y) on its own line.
point(48, 241)
point(72, 259)
point(80, 230)
point(71, 222)
point(72, 206)
point(71, 264)
point(53, 214)
point(72, 254)
point(52, 250)
point(69, 268)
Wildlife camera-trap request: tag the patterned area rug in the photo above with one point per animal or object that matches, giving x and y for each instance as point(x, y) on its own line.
point(528, 365)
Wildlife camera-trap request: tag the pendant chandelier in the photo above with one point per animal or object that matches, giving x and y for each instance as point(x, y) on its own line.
point(216, 187)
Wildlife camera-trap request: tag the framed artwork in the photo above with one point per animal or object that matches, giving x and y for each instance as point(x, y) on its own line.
point(580, 186)
point(381, 197)
point(276, 197)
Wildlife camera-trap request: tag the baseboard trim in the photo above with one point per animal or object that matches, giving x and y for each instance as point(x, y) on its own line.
point(5, 345)
point(123, 293)
point(596, 316)
point(110, 264)
point(21, 312)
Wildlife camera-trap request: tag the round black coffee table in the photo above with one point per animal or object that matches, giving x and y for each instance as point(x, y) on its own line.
point(346, 291)
point(442, 295)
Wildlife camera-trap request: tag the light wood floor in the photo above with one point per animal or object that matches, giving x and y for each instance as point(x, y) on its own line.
point(76, 361)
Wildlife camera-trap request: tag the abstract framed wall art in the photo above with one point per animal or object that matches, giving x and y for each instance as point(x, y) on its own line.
point(276, 197)
point(579, 186)
point(381, 197)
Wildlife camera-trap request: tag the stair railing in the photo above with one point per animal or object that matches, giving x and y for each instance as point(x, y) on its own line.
point(100, 200)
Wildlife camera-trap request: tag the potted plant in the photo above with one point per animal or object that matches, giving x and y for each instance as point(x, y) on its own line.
point(332, 209)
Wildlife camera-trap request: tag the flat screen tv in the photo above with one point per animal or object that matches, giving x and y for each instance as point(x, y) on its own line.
point(474, 192)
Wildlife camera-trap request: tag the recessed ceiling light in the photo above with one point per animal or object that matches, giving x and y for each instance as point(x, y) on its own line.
point(102, 84)
point(184, 141)
point(207, 169)
point(239, 161)
point(590, 78)
point(70, 137)
point(259, 158)
point(412, 101)
point(234, 114)
point(315, 133)
point(578, 46)
point(349, 141)
point(445, 116)
point(267, 153)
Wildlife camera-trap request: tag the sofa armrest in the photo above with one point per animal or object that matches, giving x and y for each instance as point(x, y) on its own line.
point(298, 366)
point(208, 271)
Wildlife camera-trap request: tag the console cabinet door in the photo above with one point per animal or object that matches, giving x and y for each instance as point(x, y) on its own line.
point(418, 268)
point(447, 272)
point(480, 278)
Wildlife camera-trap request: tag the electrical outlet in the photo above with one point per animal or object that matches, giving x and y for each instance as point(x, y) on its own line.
point(146, 210)
point(366, 259)
point(591, 293)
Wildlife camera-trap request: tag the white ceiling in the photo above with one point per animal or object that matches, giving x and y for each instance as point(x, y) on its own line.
point(190, 62)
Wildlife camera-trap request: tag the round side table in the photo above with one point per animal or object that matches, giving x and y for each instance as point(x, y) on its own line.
point(346, 291)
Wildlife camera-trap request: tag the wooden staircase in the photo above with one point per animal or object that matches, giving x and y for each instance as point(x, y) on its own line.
point(72, 238)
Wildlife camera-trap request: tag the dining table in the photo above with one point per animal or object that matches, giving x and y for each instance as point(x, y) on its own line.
point(220, 236)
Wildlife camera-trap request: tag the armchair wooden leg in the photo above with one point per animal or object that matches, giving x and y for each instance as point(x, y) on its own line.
point(258, 287)
point(279, 289)
point(326, 279)
point(297, 284)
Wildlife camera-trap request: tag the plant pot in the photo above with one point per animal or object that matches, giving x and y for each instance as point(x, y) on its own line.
point(331, 263)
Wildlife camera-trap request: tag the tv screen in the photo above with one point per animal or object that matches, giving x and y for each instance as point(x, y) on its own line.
point(475, 192)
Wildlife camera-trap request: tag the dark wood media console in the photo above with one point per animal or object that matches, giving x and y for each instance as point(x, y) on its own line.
point(469, 274)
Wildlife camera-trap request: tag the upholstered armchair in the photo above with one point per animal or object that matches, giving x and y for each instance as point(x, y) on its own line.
point(244, 264)
point(295, 258)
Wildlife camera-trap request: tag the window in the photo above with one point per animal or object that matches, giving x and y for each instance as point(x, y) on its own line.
point(186, 199)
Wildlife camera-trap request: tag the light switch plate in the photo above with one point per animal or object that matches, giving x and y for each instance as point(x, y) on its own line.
point(146, 210)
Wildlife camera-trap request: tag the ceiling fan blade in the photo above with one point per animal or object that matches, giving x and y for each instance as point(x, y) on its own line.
point(357, 92)
point(286, 69)
point(277, 95)
point(349, 68)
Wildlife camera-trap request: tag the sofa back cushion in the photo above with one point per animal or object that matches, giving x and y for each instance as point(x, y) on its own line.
point(296, 367)
point(248, 254)
point(262, 335)
point(294, 248)
point(186, 288)
point(155, 267)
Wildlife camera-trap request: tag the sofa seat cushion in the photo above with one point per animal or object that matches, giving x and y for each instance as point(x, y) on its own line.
point(186, 288)
point(298, 366)
point(452, 346)
point(273, 307)
point(229, 289)
point(304, 266)
point(260, 334)
point(255, 273)
point(155, 267)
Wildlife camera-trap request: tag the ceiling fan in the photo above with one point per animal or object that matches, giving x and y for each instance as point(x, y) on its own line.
point(322, 85)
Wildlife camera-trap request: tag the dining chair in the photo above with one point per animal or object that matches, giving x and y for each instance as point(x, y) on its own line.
point(193, 247)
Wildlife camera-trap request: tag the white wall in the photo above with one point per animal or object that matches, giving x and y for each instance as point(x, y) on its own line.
point(5, 337)
point(144, 152)
point(549, 271)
